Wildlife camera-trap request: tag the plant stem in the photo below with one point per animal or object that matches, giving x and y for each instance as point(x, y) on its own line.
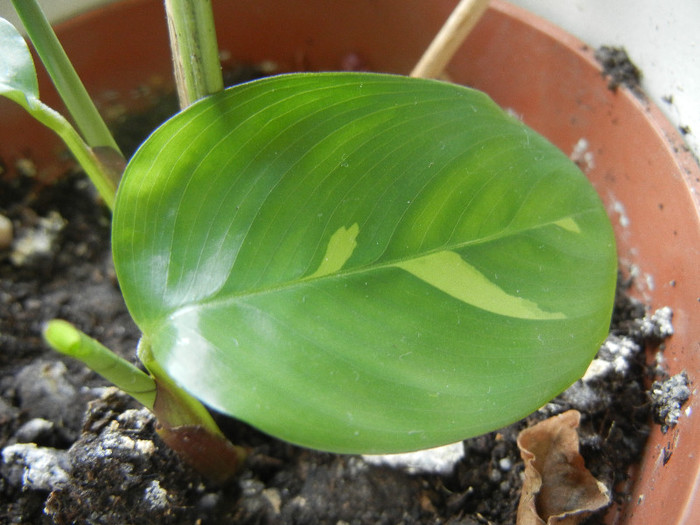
point(183, 422)
point(103, 176)
point(65, 338)
point(194, 48)
point(174, 407)
point(449, 38)
point(64, 76)
point(187, 427)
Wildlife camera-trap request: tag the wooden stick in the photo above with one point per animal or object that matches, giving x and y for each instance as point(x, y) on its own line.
point(449, 38)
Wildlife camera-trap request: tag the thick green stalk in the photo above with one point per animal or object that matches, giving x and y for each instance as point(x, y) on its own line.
point(187, 427)
point(175, 407)
point(194, 48)
point(65, 338)
point(64, 76)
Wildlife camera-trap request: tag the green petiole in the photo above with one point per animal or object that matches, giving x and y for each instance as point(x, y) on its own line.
point(67, 339)
point(194, 48)
point(174, 407)
point(102, 176)
point(18, 82)
point(183, 422)
point(63, 75)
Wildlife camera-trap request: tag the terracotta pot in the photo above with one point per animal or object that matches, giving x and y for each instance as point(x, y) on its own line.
point(640, 166)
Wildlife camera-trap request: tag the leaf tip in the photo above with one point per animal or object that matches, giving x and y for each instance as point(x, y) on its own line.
point(61, 336)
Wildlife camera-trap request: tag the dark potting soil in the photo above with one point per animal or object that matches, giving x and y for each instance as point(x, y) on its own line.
point(619, 69)
point(76, 451)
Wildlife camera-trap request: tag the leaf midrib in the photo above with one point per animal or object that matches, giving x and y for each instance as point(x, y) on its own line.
point(214, 301)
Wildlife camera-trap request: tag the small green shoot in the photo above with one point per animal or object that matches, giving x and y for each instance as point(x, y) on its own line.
point(183, 422)
point(65, 338)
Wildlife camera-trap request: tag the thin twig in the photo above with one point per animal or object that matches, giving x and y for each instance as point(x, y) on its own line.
point(447, 41)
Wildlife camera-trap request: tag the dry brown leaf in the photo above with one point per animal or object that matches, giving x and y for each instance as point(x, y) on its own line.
point(558, 489)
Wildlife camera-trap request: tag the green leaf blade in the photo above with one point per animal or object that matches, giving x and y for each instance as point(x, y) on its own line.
point(359, 262)
point(18, 80)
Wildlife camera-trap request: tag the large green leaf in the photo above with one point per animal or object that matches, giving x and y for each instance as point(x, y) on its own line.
point(363, 263)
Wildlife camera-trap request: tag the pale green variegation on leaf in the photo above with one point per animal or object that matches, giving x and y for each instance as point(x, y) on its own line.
point(362, 263)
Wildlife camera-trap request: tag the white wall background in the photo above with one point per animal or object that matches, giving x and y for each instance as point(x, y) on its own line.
point(662, 37)
point(56, 10)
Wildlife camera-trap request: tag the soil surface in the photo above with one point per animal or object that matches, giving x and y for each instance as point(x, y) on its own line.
point(76, 451)
point(619, 69)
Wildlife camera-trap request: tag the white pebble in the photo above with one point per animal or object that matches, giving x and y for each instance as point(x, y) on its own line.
point(155, 495)
point(440, 460)
point(39, 242)
point(505, 464)
point(37, 468)
point(598, 369)
point(658, 324)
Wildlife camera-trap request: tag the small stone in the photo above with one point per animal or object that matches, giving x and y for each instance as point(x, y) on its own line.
point(439, 460)
point(6, 232)
point(251, 487)
point(272, 495)
point(37, 468)
point(505, 464)
point(155, 495)
point(667, 398)
point(658, 325)
point(44, 391)
point(37, 245)
point(25, 167)
point(209, 501)
point(33, 430)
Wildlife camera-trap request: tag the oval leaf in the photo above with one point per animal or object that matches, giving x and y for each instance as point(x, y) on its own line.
point(363, 263)
point(18, 80)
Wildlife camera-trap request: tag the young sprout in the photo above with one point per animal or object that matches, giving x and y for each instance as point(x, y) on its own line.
point(183, 422)
point(65, 338)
